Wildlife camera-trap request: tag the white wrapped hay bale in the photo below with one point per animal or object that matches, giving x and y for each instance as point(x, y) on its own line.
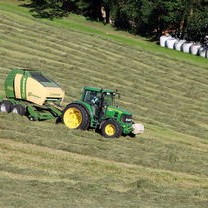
point(163, 40)
point(203, 51)
point(178, 44)
point(170, 42)
point(195, 48)
point(186, 46)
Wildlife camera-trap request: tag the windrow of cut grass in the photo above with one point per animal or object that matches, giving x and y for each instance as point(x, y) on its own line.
point(37, 177)
point(161, 82)
point(47, 165)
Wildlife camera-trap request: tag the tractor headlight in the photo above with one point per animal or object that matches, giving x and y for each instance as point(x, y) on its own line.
point(126, 118)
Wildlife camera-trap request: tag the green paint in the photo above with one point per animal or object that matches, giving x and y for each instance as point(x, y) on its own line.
point(48, 113)
point(34, 111)
point(9, 83)
point(104, 110)
point(23, 86)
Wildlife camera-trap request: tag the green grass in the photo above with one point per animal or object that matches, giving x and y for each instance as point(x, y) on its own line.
point(47, 165)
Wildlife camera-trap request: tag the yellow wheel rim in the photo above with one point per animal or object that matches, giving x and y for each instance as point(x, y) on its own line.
point(110, 130)
point(72, 118)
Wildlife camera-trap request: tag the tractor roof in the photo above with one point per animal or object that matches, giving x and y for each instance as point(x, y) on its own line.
point(98, 89)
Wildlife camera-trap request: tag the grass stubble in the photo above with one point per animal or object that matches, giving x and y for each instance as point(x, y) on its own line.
point(47, 165)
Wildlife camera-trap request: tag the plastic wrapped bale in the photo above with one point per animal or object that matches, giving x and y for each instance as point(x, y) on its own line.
point(186, 47)
point(179, 44)
point(195, 48)
point(170, 42)
point(163, 40)
point(203, 51)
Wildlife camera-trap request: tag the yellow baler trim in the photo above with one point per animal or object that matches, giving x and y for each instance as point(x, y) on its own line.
point(17, 86)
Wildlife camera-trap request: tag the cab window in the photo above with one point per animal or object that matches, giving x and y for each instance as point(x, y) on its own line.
point(92, 97)
point(108, 99)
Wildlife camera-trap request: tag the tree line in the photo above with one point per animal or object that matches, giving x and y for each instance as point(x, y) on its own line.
point(185, 18)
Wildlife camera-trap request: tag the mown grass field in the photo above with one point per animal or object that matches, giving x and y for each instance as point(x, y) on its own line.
point(47, 165)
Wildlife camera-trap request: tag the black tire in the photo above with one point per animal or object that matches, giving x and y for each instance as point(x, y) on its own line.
point(6, 106)
point(18, 109)
point(81, 115)
point(111, 129)
point(59, 120)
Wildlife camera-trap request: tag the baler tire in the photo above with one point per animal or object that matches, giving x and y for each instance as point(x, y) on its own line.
point(19, 109)
point(6, 106)
point(59, 120)
point(76, 116)
point(111, 129)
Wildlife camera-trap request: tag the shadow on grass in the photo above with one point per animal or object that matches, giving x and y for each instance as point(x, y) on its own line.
point(42, 10)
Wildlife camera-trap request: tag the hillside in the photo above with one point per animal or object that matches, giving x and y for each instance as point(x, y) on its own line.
point(47, 165)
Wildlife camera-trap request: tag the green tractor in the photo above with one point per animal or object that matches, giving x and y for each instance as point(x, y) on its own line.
point(96, 109)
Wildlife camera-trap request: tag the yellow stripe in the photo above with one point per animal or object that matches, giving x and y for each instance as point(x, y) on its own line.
point(17, 85)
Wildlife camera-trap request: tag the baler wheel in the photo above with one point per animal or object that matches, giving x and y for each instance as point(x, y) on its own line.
point(18, 109)
point(6, 106)
point(76, 117)
point(111, 129)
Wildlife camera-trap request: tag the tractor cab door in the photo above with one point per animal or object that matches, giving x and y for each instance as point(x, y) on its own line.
point(106, 100)
point(93, 98)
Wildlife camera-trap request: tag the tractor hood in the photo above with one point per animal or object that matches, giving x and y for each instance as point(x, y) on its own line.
point(119, 114)
point(117, 110)
point(125, 117)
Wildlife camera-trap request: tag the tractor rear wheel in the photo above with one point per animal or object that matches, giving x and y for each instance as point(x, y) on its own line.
point(111, 129)
point(6, 106)
point(18, 109)
point(76, 117)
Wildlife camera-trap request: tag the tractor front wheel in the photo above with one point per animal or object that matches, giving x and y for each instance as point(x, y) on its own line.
point(76, 117)
point(111, 129)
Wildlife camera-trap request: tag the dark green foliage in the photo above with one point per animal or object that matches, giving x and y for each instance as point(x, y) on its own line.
point(197, 26)
point(137, 16)
point(91, 9)
point(51, 8)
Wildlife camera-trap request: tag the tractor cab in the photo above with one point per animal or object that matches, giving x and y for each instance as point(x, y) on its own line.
point(99, 100)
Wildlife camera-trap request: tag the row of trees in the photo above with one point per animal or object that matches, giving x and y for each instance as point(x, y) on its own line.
point(144, 17)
